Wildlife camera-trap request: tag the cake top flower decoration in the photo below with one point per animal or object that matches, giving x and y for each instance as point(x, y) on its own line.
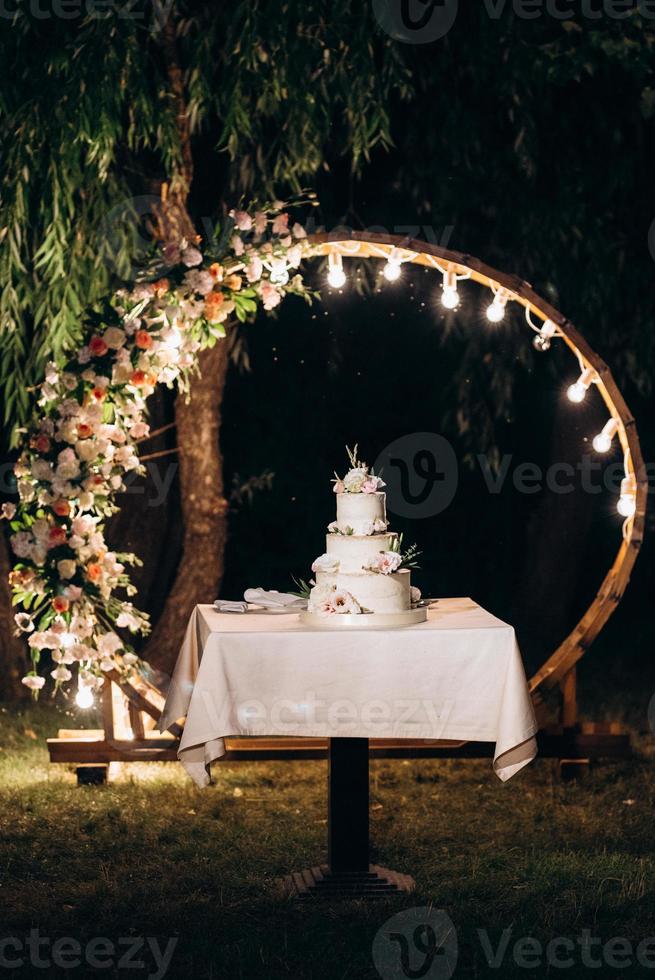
point(359, 478)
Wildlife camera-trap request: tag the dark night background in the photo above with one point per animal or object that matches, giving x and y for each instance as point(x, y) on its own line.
point(528, 143)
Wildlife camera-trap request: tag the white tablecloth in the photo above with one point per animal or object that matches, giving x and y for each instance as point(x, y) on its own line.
point(457, 676)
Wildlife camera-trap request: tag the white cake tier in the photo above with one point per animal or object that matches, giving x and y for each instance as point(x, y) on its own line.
point(359, 510)
point(355, 550)
point(374, 592)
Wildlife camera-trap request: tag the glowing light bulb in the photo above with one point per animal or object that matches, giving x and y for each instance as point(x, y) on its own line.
point(577, 391)
point(336, 277)
point(449, 294)
point(543, 339)
point(627, 504)
point(391, 271)
point(603, 441)
point(84, 697)
point(496, 309)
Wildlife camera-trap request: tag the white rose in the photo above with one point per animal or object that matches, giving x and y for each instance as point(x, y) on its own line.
point(354, 479)
point(414, 594)
point(66, 567)
point(326, 563)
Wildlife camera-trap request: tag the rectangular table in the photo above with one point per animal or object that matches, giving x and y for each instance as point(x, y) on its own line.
point(459, 676)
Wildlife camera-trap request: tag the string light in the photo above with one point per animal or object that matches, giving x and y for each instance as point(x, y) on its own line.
point(392, 269)
point(449, 294)
point(603, 441)
point(496, 309)
point(84, 696)
point(627, 504)
point(544, 336)
point(336, 277)
point(578, 391)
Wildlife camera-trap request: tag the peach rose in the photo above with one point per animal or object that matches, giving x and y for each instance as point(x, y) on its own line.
point(93, 571)
point(143, 339)
point(61, 508)
point(60, 604)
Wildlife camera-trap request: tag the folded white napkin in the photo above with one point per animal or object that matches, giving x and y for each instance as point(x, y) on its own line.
point(271, 599)
point(228, 606)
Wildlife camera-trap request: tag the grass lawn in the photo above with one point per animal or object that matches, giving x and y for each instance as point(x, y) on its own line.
point(150, 855)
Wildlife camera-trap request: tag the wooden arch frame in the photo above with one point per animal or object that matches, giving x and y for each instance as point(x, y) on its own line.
point(377, 246)
point(131, 709)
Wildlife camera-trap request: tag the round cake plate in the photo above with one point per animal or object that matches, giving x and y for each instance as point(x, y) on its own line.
point(363, 621)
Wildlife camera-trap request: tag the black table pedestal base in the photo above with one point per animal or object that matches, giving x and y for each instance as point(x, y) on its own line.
point(320, 882)
point(348, 874)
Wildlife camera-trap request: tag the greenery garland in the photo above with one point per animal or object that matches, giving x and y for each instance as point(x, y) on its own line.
point(90, 417)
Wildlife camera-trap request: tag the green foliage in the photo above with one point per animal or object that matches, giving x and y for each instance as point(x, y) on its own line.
point(88, 122)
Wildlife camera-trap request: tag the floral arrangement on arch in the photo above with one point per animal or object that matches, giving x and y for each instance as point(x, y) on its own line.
point(90, 416)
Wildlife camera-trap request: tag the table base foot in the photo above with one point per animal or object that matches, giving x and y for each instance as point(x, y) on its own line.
point(320, 882)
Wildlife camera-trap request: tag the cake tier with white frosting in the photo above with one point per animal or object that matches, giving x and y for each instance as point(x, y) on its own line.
point(354, 551)
point(374, 592)
point(359, 511)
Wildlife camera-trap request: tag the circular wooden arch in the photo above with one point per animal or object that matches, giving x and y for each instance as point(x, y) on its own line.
point(377, 246)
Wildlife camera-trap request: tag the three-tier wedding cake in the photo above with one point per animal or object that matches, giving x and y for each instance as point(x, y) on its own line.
point(364, 577)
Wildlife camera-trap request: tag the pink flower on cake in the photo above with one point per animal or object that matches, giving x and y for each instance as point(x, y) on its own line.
point(344, 603)
point(372, 484)
point(339, 486)
point(385, 563)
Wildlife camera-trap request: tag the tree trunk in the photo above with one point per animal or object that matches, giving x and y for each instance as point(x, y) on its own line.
point(13, 651)
point(204, 507)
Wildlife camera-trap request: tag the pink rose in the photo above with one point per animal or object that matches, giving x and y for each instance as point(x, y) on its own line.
point(339, 487)
point(269, 294)
point(254, 269)
point(191, 256)
point(372, 484)
point(281, 224)
point(385, 563)
point(242, 220)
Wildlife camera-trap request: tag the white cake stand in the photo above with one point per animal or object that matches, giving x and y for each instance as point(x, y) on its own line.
point(363, 621)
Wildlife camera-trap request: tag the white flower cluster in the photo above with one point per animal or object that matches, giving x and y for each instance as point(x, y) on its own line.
point(91, 414)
